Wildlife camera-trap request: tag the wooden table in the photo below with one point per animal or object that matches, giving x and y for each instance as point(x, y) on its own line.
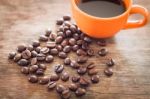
point(24, 20)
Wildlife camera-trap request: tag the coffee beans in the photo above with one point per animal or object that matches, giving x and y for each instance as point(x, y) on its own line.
point(54, 77)
point(25, 70)
point(48, 32)
point(17, 57)
point(21, 48)
point(44, 80)
point(33, 61)
point(67, 61)
point(23, 62)
point(41, 57)
point(72, 41)
point(52, 36)
point(49, 58)
point(102, 42)
point(33, 68)
point(75, 78)
point(80, 92)
point(103, 52)
point(92, 71)
point(42, 66)
point(43, 38)
point(59, 21)
point(36, 43)
point(33, 79)
point(54, 51)
point(44, 50)
point(67, 49)
point(82, 70)
point(11, 55)
point(82, 59)
point(66, 94)
point(59, 39)
point(74, 65)
point(84, 82)
point(60, 88)
point(90, 65)
point(81, 52)
point(65, 76)
point(110, 62)
point(108, 72)
point(62, 55)
point(66, 17)
point(26, 54)
point(40, 72)
point(73, 87)
point(90, 52)
point(59, 68)
point(51, 85)
point(95, 79)
point(50, 44)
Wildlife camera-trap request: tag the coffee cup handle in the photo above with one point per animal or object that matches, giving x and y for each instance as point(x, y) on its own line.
point(136, 9)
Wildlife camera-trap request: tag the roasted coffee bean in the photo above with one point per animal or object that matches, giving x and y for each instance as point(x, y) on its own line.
point(41, 57)
point(66, 94)
point(87, 39)
point(49, 58)
point(43, 38)
point(110, 62)
point(92, 71)
point(67, 61)
point(80, 92)
point(11, 55)
point(73, 28)
point(82, 59)
point(82, 35)
point(23, 62)
point(59, 68)
point(25, 70)
point(80, 42)
point(17, 57)
point(48, 32)
point(60, 21)
point(75, 48)
point(90, 52)
point(33, 61)
point(65, 28)
point(36, 43)
point(59, 39)
point(67, 49)
point(60, 88)
point(103, 52)
point(33, 79)
point(40, 72)
point(82, 70)
point(81, 52)
point(51, 85)
point(38, 49)
point(42, 66)
point(76, 36)
point(26, 54)
point(21, 47)
point(52, 36)
point(102, 42)
point(61, 34)
point(85, 46)
point(44, 80)
point(44, 50)
point(68, 33)
point(67, 23)
point(59, 47)
point(65, 42)
point(54, 77)
point(90, 65)
point(66, 17)
point(73, 87)
point(108, 72)
point(54, 51)
point(74, 65)
point(30, 48)
point(65, 76)
point(84, 82)
point(62, 55)
point(34, 53)
point(50, 44)
point(95, 78)
point(33, 68)
point(72, 41)
point(61, 28)
point(75, 78)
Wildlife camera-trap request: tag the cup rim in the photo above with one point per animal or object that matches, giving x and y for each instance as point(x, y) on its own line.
point(99, 18)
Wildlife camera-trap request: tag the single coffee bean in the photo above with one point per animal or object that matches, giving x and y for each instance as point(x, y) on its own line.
point(80, 92)
point(33, 68)
point(90, 52)
point(43, 38)
point(30, 48)
point(49, 58)
point(72, 41)
point(52, 36)
point(40, 72)
point(23, 62)
point(60, 21)
point(82, 36)
point(36, 43)
point(33, 61)
point(42, 66)
point(50, 44)
point(90, 65)
point(33, 78)
point(25, 70)
point(73, 87)
point(59, 39)
point(67, 61)
point(61, 28)
point(110, 62)
point(67, 49)
point(65, 76)
point(21, 47)
point(102, 42)
point(103, 52)
point(38, 49)
point(92, 71)
point(41, 57)
point(84, 82)
point(48, 32)
point(75, 78)
point(65, 42)
point(60, 88)
point(44, 80)
point(11, 55)
point(44, 50)
point(54, 77)
point(75, 48)
point(74, 65)
point(73, 28)
point(67, 23)
point(62, 34)
point(62, 55)
point(26, 54)
point(54, 51)
point(66, 94)
point(85, 46)
point(82, 70)
point(68, 33)
point(76, 36)
point(81, 52)
point(59, 68)
point(34, 53)
point(80, 42)
point(108, 72)
point(59, 47)
point(51, 85)
point(95, 78)
point(87, 39)
point(82, 59)
point(17, 57)
point(66, 17)
point(65, 28)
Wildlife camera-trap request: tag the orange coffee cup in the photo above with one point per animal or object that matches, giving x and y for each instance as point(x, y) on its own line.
point(98, 27)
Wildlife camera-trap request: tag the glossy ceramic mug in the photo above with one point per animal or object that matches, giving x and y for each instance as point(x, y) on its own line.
point(98, 27)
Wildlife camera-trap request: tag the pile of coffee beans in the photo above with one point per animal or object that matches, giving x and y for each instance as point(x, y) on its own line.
point(69, 38)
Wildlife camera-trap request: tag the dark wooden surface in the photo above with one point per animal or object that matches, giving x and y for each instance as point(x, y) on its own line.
point(24, 20)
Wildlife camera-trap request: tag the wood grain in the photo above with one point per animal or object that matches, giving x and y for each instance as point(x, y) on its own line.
point(24, 20)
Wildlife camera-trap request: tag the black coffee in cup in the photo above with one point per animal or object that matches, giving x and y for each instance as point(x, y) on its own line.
point(102, 8)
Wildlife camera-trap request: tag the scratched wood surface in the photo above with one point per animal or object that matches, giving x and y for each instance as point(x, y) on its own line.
point(21, 21)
